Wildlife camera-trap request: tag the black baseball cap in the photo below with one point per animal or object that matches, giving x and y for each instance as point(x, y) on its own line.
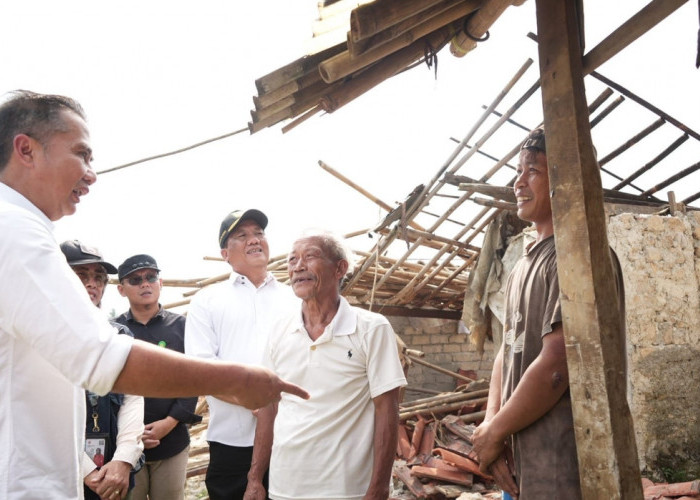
point(234, 218)
point(136, 262)
point(535, 140)
point(78, 253)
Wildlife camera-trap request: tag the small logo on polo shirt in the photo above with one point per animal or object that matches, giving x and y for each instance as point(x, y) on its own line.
point(350, 354)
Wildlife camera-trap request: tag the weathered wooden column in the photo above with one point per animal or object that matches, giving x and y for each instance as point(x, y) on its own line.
point(605, 441)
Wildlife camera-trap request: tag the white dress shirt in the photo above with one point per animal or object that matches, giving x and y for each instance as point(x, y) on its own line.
point(54, 343)
point(230, 321)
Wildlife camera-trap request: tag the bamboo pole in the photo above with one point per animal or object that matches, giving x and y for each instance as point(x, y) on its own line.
point(674, 145)
point(501, 205)
point(672, 179)
point(342, 64)
point(295, 69)
point(608, 109)
point(379, 15)
point(357, 47)
point(456, 375)
point(436, 410)
point(641, 22)
point(386, 240)
point(412, 291)
point(631, 141)
point(379, 72)
point(295, 87)
point(477, 25)
point(361, 190)
point(456, 273)
point(500, 192)
point(444, 399)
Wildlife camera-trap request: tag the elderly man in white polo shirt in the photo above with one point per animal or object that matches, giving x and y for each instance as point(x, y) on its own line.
point(341, 442)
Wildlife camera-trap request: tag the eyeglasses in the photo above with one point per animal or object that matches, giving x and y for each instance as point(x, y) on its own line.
point(137, 280)
point(99, 278)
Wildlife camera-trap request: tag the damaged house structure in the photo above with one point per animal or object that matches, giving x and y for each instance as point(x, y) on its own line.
point(438, 261)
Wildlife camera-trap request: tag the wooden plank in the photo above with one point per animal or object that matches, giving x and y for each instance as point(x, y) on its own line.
point(648, 17)
point(607, 451)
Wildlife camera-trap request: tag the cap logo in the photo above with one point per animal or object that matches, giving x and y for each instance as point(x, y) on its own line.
point(237, 214)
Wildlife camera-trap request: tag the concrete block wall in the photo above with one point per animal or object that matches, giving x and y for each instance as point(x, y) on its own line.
point(660, 258)
point(443, 346)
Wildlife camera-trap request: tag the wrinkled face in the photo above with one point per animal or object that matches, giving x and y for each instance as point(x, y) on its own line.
point(532, 187)
point(94, 278)
point(141, 287)
point(62, 171)
point(246, 248)
point(312, 273)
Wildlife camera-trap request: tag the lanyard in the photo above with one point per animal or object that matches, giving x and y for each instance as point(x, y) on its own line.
point(94, 398)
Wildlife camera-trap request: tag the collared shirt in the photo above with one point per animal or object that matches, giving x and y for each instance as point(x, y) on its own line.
point(166, 329)
point(332, 433)
point(230, 321)
point(53, 341)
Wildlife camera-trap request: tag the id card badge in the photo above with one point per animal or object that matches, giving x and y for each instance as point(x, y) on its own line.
point(96, 448)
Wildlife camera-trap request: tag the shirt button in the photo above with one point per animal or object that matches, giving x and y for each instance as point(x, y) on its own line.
point(313, 347)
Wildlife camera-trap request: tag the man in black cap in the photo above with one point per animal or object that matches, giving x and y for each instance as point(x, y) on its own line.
point(165, 437)
point(230, 321)
point(114, 419)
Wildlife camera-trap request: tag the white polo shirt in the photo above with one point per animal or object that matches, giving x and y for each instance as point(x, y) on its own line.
point(330, 436)
point(53, 341)
point(230, 321)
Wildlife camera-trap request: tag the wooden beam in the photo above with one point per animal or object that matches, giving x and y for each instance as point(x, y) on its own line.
point(648, 17)
point(605, 442)
point(408, 312)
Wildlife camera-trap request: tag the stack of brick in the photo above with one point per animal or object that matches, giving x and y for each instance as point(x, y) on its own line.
point(434, 455)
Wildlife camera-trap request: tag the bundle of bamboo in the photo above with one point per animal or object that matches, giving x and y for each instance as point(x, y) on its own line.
point(385, 38)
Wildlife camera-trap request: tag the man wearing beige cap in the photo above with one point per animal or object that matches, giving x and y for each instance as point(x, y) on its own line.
point(230, 321)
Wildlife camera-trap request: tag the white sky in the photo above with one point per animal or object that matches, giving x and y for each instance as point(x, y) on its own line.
point(157, 76)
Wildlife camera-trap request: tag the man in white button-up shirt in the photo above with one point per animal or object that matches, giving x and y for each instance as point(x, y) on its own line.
point(53, 341)
point(230, 321)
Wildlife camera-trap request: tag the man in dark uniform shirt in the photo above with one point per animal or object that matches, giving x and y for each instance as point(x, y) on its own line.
point(166, 438)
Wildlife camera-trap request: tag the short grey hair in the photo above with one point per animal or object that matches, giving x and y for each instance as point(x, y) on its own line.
point(333, 245)
point(37, 115)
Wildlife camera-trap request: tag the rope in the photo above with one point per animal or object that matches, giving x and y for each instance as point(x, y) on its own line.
point(172, 152)
point(469, 35)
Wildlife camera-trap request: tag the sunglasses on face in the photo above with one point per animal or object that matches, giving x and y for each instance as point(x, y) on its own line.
point(137, 280)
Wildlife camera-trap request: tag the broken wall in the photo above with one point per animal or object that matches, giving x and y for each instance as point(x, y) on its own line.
point(660, 258)
point(443, 346)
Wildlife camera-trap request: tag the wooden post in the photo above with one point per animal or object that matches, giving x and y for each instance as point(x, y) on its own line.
point(607, 451)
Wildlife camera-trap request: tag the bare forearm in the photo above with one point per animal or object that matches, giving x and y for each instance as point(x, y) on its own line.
point(162, 373)
point(186, 376)
point(386, 421)
point(262, 446)
point(494, 401)
point(542, 385)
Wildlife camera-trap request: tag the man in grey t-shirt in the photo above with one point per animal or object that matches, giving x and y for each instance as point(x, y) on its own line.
point(527, 439)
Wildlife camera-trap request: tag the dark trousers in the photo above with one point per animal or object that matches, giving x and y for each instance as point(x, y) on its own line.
point(227, 475)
